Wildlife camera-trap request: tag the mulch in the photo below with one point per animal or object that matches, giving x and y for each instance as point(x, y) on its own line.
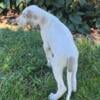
point(7, 16)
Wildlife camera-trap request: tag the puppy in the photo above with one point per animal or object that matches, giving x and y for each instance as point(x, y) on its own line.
point(59, 47)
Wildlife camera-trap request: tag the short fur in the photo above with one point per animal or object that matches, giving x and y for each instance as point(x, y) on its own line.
point(59, 47)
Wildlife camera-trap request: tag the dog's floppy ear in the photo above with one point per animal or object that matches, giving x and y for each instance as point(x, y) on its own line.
point(43, 20)
point(30, 14)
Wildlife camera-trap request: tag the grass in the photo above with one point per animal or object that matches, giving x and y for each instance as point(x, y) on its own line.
point(25, 76)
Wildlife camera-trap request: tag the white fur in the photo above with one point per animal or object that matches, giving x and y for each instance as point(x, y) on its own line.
point(58, 45)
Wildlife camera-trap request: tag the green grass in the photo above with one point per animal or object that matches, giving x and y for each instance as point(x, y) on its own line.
point(25, 76)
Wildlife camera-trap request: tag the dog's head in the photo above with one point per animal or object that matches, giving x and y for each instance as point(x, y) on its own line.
point(32, 15)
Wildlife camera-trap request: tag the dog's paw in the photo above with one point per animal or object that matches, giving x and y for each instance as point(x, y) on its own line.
point(52, 96)
point(74, 88)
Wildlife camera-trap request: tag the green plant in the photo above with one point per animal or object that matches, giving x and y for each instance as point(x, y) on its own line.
point(24, 74)
point(14, 4)
point(78, 15)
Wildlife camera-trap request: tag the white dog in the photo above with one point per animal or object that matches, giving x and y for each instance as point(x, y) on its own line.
point(58, 45)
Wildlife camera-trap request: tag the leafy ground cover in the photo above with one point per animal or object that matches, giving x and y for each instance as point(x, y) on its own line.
point(78, 15)
point(25, 76)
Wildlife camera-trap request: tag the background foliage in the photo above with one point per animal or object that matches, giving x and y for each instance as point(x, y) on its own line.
point(23, 71)
point(79, 15)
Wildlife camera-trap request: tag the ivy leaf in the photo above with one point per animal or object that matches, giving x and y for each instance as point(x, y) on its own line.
point(80, 13)
point(49, 2)
point(98, 22)
point(75, 19)
point(97, 12)
point(68, 2)
point(2, 5)
point(59, 3)
point(83, 28)
point(19, 1)
point(71, 26)
point(82, 2)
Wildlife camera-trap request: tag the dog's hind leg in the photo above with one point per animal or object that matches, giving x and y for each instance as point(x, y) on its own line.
point(71, 76)
point(74, 78)
point(57, 68)
point(69, 84)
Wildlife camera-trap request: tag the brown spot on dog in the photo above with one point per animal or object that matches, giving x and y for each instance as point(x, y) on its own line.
point(70, 63)
point(30, 14)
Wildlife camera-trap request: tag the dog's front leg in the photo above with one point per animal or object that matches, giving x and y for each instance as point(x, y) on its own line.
point(48, 53)
point(57, 68)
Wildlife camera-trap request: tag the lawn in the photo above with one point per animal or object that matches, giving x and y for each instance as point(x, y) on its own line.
point(24, 74)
